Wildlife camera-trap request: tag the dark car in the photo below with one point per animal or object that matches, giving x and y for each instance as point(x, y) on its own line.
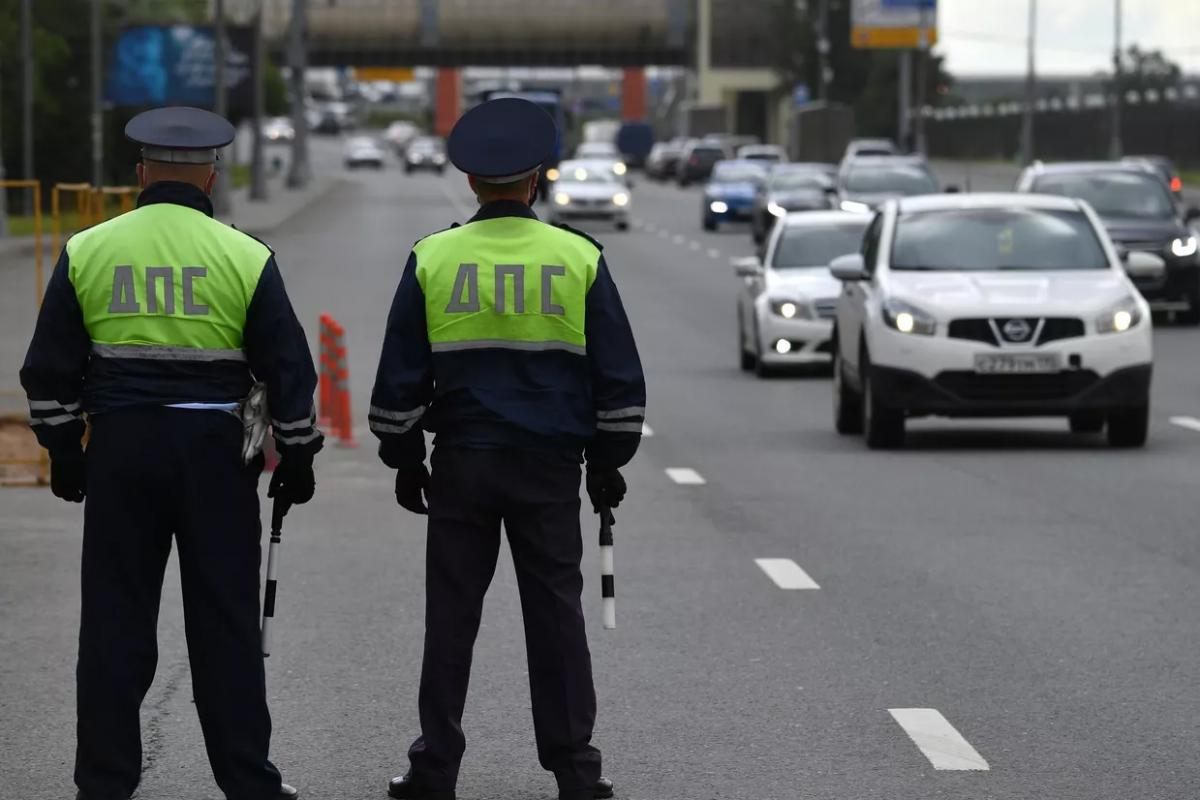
point(1161, 165)
point(697, 160)
point(730, 192)
point(792, 187)
point(425, 152)
point(865, 182)
point(663, 159)
point(1140, 214)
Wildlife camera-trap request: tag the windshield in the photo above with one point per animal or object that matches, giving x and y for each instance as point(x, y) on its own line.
point(1113, 194)
point(812, 246)
point(707, 154)
point(996, 239)
point(799, 180)
point(432, 145)
point(589, 173)
point(737, 173)
point(901, 179)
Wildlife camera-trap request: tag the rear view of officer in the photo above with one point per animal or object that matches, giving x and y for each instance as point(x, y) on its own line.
point(156, 324)
point(508, 340)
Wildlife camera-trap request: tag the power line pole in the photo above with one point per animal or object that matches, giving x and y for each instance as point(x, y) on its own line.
point(300, 172)
point(904, 121)
point(1114, 146)
point(823, 48)
point(27, 94)
point(221, 189)
point(97, 108)
point(258, 177)
point(1030, 88)
point(922, 78)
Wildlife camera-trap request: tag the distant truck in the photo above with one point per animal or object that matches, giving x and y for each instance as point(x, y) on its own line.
point(634, 140)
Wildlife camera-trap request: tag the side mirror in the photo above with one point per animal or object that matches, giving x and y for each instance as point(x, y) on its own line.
point(748, 267)
point(1192, 213)
point(849, 267)
point(1144, 265)
point(953, 189)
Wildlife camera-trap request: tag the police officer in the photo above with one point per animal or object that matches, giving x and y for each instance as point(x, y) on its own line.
point(155, 325)
point(507, 339)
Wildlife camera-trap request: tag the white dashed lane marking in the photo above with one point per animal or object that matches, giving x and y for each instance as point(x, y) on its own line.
point(714, 253)
point(942, 745)
point(663, 234)
point(1191, 423)
point(694, 245)
point(677, 238)
point(786, 573)
point(685, 475)
point(647, 430)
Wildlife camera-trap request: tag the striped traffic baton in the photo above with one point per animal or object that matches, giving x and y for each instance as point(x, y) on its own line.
point(278, 512)
point(608, 595)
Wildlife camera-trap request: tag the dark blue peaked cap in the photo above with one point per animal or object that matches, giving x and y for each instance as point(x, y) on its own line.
point(180, 134)
point(502, 140)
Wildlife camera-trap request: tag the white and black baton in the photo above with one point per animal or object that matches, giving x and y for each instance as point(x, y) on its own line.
point(608, 595)
point(278, 512)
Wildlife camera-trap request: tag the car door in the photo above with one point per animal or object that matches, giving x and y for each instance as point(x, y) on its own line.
point(851, 311)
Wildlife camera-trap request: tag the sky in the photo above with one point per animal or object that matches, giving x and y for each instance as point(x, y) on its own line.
point(987, 37)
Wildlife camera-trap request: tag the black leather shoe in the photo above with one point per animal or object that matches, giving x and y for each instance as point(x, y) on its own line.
point(602, 790)
point(402, 787)
point(288, 792)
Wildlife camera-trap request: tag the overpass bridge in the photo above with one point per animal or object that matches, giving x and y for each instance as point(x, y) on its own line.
point(727, 42)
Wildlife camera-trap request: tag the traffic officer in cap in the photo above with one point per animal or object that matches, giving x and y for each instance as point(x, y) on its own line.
point(155, 326)
point(506, 339)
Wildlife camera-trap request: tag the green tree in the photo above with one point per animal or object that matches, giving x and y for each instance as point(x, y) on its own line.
point(1148, 69)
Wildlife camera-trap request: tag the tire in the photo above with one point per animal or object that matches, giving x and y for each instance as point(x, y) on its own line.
point(1192, 315)
point(708, 224)
point(761, 369)
point(746, 360)
point(1087, 422)
point(623, 225)
point(883, 427)
point(1129, 427)
point(847, 403)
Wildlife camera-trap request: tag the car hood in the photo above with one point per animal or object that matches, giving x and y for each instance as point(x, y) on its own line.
point(813, 283)
point(740, 190)
point(872, 199)
point(994, 293)
point(1127, 229)
point(589, 191)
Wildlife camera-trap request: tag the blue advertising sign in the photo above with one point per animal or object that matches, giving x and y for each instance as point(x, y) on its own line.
point(155, 65)
point(801, 95)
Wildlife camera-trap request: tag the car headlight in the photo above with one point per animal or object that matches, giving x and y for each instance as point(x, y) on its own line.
point(562, 199)
point(620, 199)
point(1184, 247)
point(855, 206)
point(1121, 317)
point(552, 174)
point(619, 168)
point(718, 206)
point(775, 209)
point(790, 309)
point(438, 158)
point(907, 318)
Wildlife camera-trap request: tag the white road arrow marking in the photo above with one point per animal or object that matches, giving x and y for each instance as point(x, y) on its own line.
point(786, 573)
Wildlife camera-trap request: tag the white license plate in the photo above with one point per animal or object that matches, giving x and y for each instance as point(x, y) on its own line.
point(1016, 363)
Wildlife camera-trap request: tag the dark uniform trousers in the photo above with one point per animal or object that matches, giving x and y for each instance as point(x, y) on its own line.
point(536, 495)
point(152, 473)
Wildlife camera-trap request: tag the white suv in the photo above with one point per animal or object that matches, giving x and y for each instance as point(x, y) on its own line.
point(987, 305)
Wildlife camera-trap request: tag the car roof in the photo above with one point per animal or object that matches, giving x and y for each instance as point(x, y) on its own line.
point(887, 161)
point(1068, 167)
point(957, 201)
point(591, 162)
point(741, 162)
point(802, 219)
point(877, 140)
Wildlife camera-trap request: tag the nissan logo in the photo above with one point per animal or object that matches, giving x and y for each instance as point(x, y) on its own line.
point(1016, 330)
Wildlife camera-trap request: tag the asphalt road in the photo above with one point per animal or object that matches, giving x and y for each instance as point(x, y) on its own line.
point(1036, 589)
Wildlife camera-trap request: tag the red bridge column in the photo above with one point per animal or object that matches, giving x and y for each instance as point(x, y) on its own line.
point(449, 91)
point(633, 95)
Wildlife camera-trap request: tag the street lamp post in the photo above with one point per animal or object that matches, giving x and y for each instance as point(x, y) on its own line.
point(27, 92)
point(221, 189)
point(1027, 150)
point(97, 108)
point(300, 172)
point(258, 177)
point(1115, 146)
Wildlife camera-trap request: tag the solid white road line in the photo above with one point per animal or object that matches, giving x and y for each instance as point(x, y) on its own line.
point(685, 475)
point(1191, 423)
point(714, 253)
point(786, 573)
point(647, 431)
point(942, 745)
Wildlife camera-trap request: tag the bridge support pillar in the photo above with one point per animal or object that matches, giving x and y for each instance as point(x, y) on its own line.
point(448, 99)
point(633, 95)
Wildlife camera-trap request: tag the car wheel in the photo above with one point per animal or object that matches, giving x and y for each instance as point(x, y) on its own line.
point(883, 427)
point(1085, 422)
point(1129, 426)
point(761, 368)
point(623, 225)
point(747, 359)
point(708, 224)
point(1192, 315)
point(847, 403)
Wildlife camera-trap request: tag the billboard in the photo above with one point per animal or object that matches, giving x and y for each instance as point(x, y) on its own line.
point(156, 65)
point(894, 24)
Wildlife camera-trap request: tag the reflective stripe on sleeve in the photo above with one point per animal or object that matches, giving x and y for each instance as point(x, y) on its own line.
point(156, 352)
point(622, 413)
point(399, 416)
point(508, 344)
point(61, 419)
point(387, 427)
point(298, 425)
point(305, 439)
point(619, 427)
point(51, 405)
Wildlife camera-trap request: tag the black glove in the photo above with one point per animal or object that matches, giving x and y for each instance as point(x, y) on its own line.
point(68, 476)
point(293, 480)
point(412, 487)
point(605, 487)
